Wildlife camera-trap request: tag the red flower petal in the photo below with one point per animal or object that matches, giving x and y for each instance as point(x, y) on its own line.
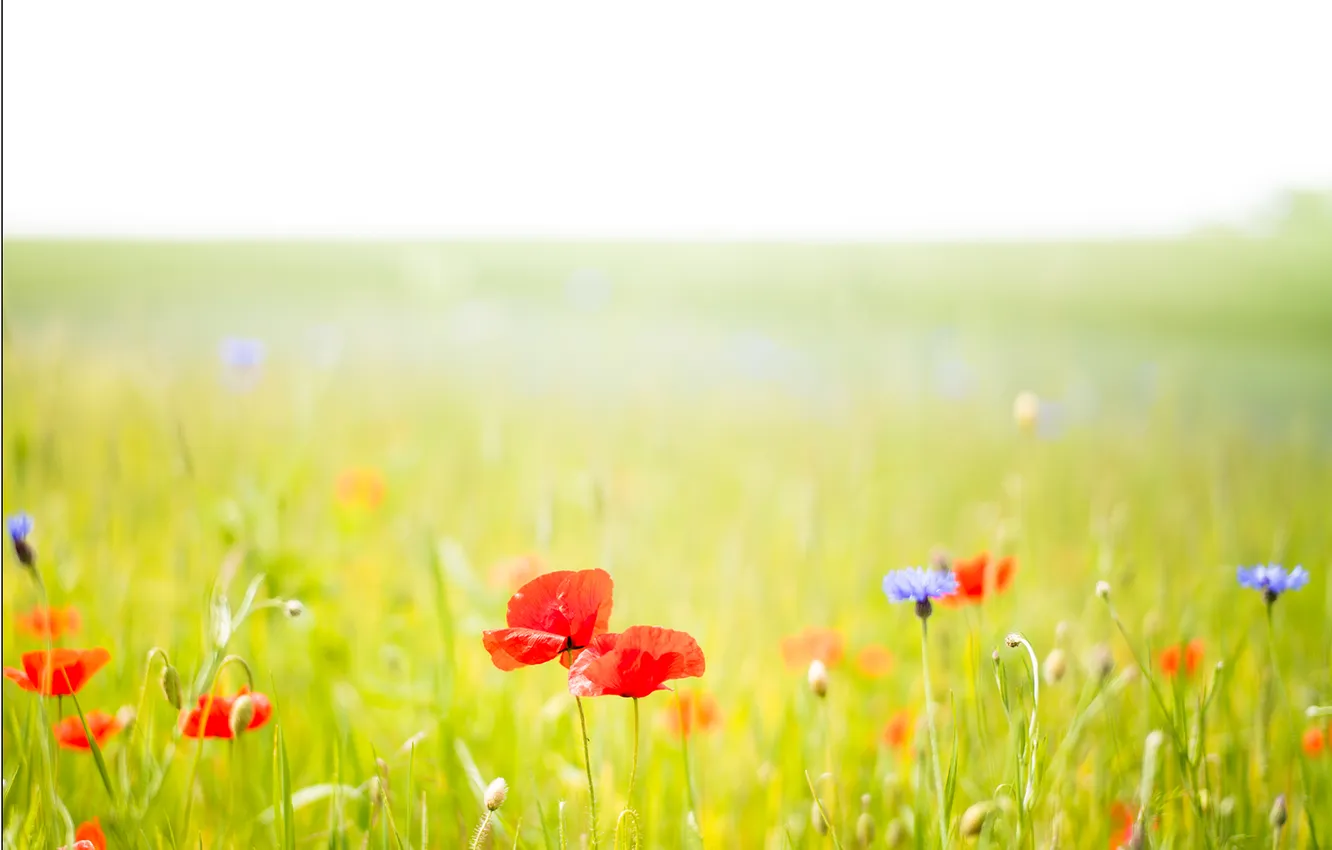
point(635, 663)
point(69, 731)
point(63, 673)
point(514, 648)
point(91, 833)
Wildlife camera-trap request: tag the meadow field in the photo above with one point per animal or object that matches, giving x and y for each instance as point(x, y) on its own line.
point(321, 470)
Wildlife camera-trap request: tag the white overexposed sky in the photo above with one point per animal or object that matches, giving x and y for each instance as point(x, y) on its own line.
point(687, 119)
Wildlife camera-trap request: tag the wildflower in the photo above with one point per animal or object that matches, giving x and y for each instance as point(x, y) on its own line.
point(976, 576)
point(1192, 657)
point(1272, 580)
point(496, 791)
point(91, 833)
point(52, 623)
point(70, 735)
point(555, 614)
point(293, 608)
point(812, 644)
point(897, 732)
point(513, 573)
point(874, 661)
point(635, 663)
point(818, 678)
point(361, 488)
point(242, 354)
point(217, 722)
point(19, 526)
point(63, 673)
point(693, 711)
point(1123, 819)
point(913, 584)
point(1314, 741)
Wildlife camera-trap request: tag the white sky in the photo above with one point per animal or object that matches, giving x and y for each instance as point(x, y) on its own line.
point(693, 119)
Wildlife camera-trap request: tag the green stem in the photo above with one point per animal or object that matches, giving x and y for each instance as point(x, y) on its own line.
point(96, 749)
point(480, 832)
point(1304, 768)
point(934, 734)
point(633, 768)
point(688, 775)
point(587, 762)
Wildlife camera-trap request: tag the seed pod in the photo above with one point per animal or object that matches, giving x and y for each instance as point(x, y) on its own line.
point(895, 834)
point(242, 712)
point(865, 823)
point(1277, 818)
point(1054, 667)
point(1100, 662)
point(818, 678)
point(171, 687)
point(294, 608)
point(973, 819)
point(1103, 589)
point(816, 818)
point(496, 791)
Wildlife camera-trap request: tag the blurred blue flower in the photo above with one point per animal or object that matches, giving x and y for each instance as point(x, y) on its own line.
point(19, 526)
point(242, 353)
point(916, 584)
point(1272, 579)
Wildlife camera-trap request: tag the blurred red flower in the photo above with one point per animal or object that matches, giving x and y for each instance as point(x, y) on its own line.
point(1192, 656)
point(1314, 741)
point(874, 661)
point(361, 487)
point(693, 711)
point(63, 673)
point(1122, 818)
point(554, 614)
point(813, 644)
point(635, 663)
point(513, 573)
point(217, 723)
point(897, 731)
point(69, 732)
point(89, 836)
point(979, 575)
point(53, 623)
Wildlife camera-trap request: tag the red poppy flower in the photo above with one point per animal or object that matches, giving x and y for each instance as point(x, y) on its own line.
point(897, 732)
point(90, 835)
point(976, 576)
point(552, 615)
point(217, 724)
point(874, 661)
point(813, 644)
point(1121, 830)
point(693, 711)
point(635, 663)
point(81, 844)
point(53, 623)
point(64, 673)
point(1314, 741)
point(69, 732)
point(1192, 657)
point(361, 488)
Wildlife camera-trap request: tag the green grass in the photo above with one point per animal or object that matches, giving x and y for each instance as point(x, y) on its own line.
point(747, 437)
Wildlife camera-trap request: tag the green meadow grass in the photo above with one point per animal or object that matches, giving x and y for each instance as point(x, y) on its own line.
point(747, 437)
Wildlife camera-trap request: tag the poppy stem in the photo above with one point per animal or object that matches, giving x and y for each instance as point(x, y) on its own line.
point(587, 763)
point(688, 774)
point(633, 766)
point(934, 734)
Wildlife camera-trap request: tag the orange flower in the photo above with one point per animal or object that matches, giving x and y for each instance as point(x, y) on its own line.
point(361, 487)
point(693, 711)
point(555, 615)
point(69, 732)
point(217, 724)
point(874, 661)
point(897, 732)
point(1314, 742)
point(1121, 830)
point(90, 834)
point(979, 575)
point(62, 674)
point(813, 644)
point(1193, 655)
point(513, 573)
point(53, 623)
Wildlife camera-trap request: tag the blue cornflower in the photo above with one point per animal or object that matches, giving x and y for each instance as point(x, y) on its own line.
point(1272, 579)
point(19, 526)
point(241, 353)
point(919, 585)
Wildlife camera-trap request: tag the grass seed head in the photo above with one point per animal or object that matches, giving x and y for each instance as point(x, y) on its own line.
point(496, 791)
point(293, 608)
point(816, 818)
point(865, 823)
point(1103, 590)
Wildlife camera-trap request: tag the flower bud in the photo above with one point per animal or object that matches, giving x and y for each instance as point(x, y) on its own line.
point(816, 818)
point(293, 608)
point(895, 834)
point(865, 823)
point(242, 712)
point(1026, 411)
point(171, 687)
point(818, 678)
point(1278, 816)
point(1226, 807)
point(973, 819)
point(1054, 667)
point(496, 791)
point(1100, 662)
point(1103, 590)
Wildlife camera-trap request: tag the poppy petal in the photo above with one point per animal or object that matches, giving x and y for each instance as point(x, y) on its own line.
point(635, 663)
point(536, 605)
point(586, 600)
point(20, 678)
point(513, 648)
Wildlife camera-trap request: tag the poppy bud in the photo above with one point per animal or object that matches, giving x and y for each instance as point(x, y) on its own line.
point(1101, 661)
point(496, 791)
point(895, 834)
point(1103, 590)
point(865, 823)
point(171, 687)
point(816, 818)
point(1054, 667)
point(242, 712)
point(294, 608)
point(973, 819)
point(1026, 410)
point(818, 678)
point(1278, 816)
point(1226, 807)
